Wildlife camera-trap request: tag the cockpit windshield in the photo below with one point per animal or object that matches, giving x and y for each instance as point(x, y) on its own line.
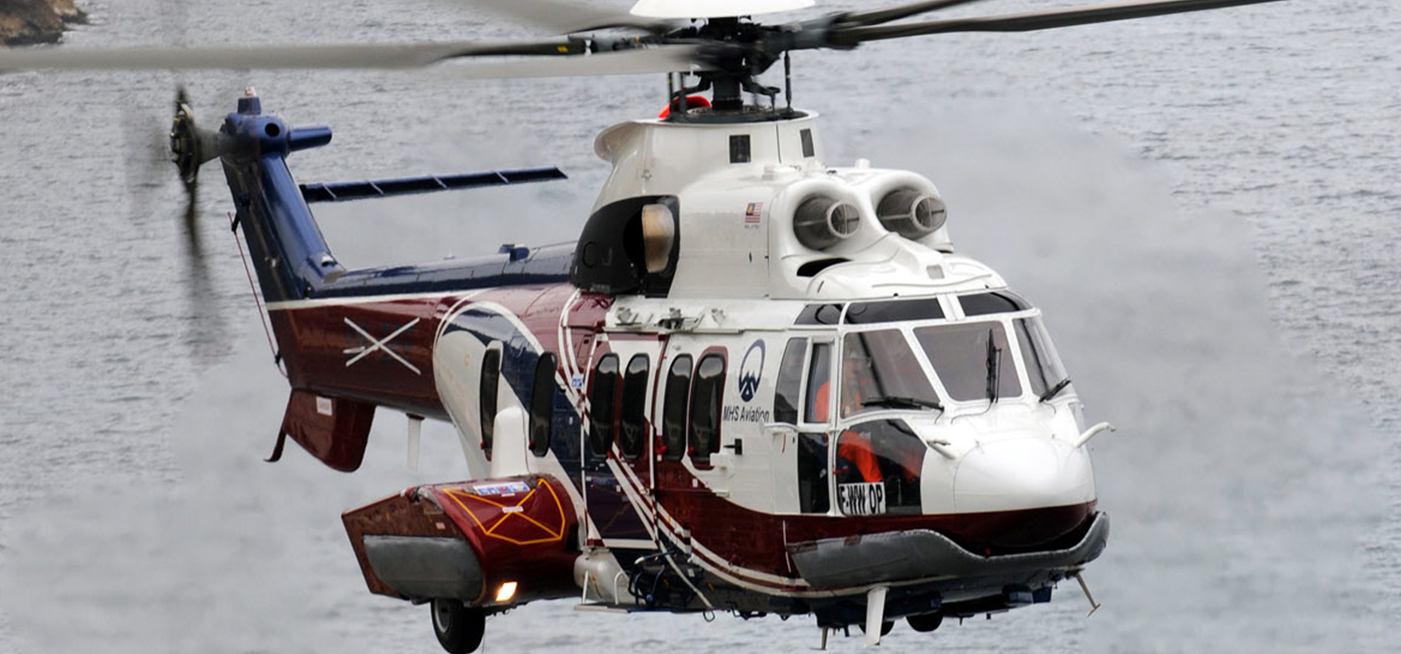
point(880, 371)
point(972, 360)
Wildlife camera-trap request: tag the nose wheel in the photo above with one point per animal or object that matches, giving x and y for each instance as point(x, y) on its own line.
point(459, 627)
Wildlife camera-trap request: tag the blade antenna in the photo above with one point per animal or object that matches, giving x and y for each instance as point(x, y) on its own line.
point(788, 80)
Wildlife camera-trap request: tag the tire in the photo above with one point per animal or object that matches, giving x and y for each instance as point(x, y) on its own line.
point(925, 623)
point(459, 627)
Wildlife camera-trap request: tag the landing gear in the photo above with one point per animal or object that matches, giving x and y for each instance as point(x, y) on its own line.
point(925, 623)
point(459, 627)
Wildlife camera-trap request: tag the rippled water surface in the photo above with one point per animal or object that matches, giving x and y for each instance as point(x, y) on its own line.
point(1204, 205)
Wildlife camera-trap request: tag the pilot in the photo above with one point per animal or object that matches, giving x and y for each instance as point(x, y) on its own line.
point(856, 381)
point(856, 462)
point(856, 377)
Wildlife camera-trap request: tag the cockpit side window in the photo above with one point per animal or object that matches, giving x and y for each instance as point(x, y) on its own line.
point(878, 468)
point(819, 403)
point(790, 380)
point(1043, 366)
point(880, 371)
point(969, 357)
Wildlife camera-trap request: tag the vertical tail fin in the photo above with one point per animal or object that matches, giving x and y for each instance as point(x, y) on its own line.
point(287, 249)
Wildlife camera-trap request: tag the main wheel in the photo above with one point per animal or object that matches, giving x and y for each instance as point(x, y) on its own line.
point(925, 623)
point(459, 627)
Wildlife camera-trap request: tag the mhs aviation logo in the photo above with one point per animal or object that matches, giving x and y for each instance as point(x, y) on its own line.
point(751, 368)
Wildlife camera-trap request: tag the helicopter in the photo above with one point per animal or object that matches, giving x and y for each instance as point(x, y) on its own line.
point(756, 384)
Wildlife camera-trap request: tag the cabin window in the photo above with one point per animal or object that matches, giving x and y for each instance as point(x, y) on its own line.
point(678, 388)
point(812, 474)
point(542, 404)
point(487, 390)
point(878, 468)
point(819, 314)
point(819, 408)
point(603, 405)
point(631, 436)
point(969, 358)
point(706, 398)
point(739, 148)
point(880, 371)
point(790, 381)
point(867, 313)
point(983, 304)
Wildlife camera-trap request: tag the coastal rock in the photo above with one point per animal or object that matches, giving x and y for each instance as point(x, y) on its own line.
point(26, 22)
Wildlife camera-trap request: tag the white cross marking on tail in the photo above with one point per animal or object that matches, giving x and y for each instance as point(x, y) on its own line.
point(378, 344)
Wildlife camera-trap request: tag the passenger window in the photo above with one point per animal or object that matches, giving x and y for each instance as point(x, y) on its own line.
point(706, 398)
point(790, 379)
point(631, 436)
point(819, 384)
point(603, 405)
point(678, 388)
point(542, 404)
point(486, 398)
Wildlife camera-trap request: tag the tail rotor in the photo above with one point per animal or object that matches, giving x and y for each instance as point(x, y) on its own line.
point(190, 147)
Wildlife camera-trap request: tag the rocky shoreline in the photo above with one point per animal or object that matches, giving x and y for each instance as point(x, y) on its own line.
point(26, 22)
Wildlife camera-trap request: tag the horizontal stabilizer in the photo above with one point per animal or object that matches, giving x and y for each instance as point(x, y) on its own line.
point(345, 191)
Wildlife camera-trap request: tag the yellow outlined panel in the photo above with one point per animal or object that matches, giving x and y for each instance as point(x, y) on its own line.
point(466, 500)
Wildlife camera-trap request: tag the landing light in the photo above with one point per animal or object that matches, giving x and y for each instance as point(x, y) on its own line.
point(506, 591)
point(658, 235)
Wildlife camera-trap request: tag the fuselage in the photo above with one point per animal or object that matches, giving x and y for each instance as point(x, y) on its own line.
point(787, 417)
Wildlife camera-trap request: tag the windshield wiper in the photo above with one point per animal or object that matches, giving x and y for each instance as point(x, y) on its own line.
point(903, 402)
point(1055, 390)
point(994, 366)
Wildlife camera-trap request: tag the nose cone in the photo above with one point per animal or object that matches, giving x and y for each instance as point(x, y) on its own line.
point(1025, 473)
point(1033, 489)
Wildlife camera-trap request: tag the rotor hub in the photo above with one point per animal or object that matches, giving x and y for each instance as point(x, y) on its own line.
point(185, 144)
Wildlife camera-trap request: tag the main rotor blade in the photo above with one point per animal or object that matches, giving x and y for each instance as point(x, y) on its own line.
point(565, 17)
point(411, 55)
point(879, 16)
point(662, 59)
point(1034, 20)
